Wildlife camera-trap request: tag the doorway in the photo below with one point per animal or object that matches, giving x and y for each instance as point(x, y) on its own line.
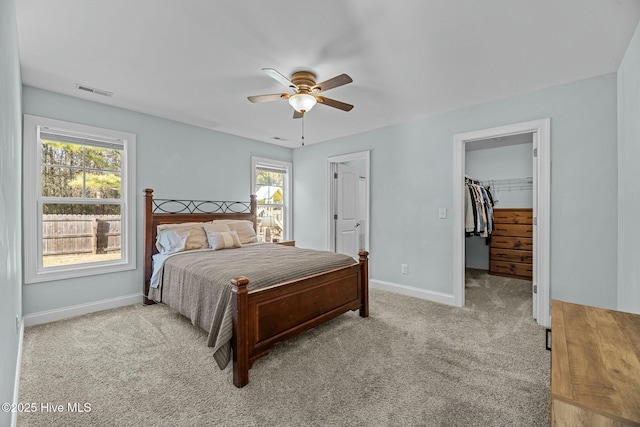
point(540, 133)
point(502, 169)
point(348, 203)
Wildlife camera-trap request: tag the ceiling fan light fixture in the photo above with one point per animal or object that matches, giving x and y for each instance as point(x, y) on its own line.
point(302, 102)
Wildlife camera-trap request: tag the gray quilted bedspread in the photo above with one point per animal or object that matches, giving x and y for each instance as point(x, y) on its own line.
point(198, 284)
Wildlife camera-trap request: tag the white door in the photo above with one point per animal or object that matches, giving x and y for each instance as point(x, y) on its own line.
point(347, 233)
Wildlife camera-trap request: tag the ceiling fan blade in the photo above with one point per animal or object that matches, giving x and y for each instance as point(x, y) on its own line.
point(268, 98)
point(297, 114)
point(333, 103)
point(340, 80)
point(279, 77)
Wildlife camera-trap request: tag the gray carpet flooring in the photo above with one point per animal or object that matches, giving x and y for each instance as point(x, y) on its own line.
point(412, 362)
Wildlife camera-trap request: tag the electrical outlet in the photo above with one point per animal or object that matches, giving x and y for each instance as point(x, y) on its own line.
point(405, 269)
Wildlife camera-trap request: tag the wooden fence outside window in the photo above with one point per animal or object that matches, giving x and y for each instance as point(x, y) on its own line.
point(76, 234)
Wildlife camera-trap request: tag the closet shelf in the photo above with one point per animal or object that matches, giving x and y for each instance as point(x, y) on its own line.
point(509, 184)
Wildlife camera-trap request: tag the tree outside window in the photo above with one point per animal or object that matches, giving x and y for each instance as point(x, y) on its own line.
point(79, 200)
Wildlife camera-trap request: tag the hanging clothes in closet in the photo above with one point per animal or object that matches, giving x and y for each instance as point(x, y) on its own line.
point(478, 209)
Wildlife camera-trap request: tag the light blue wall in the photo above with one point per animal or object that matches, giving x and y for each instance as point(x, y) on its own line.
point(628, 174)
point(411, 177)
point(514, 161)
point(175, 159)
point(509, 162)
point(10, 202)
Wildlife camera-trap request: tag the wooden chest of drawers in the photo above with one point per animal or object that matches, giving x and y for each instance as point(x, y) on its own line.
point(511, 251)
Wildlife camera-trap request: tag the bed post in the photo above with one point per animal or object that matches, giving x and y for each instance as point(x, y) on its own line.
point(148, 242)
point(240, 340)
point(364, 283)
point(253, 204)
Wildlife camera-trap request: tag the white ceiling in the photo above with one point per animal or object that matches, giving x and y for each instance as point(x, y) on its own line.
point(196, 61)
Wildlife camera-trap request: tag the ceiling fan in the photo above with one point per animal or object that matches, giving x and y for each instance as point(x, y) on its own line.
point(307, 92)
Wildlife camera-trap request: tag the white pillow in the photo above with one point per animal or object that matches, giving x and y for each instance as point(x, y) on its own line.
point(223, 240)
point(197, 238)
point(210, 227)
point(244, 228)
point(172, 240)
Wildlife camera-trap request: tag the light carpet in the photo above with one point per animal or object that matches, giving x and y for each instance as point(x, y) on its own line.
point(412, 362)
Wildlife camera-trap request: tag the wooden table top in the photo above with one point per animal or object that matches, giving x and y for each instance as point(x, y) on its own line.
point(595, 359)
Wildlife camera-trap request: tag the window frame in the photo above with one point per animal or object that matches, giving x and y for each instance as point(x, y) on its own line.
point(33, 200)
point(288, 187)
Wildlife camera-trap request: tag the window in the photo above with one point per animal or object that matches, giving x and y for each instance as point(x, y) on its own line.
point(271, 183)
point(79, 201)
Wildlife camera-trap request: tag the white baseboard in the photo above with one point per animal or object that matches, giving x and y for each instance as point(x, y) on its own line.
point(434, 296)
point(16, 381)
point(77, 310)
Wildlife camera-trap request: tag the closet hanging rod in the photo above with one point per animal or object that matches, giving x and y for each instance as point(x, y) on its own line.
point(510, 184)
point(509, 181)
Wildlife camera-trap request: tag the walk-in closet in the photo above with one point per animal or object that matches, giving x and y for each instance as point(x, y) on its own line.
point(498, 218)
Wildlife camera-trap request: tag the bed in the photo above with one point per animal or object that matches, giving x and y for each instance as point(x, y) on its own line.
point(252, 312)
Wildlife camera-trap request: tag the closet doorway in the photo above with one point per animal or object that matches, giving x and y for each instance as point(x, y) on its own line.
point(511, 139)
point(348, 203)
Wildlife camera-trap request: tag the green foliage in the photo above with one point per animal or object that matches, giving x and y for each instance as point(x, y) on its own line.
point(269, 177)
point(80, 171)
point(101, 186)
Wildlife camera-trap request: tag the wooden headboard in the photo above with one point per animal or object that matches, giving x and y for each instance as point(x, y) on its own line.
point(175, 211)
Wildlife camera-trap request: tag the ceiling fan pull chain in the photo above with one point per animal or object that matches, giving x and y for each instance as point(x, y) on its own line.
point(303, 129)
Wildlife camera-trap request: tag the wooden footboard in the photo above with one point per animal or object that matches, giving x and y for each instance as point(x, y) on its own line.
point(266, 317)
